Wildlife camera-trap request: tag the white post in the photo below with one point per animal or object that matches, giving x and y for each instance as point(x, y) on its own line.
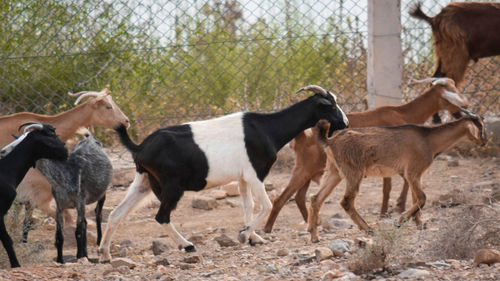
point(385, 59)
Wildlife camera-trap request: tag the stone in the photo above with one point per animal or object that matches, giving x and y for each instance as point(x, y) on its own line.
point(196, 239)
point(336, 223)
point(126, 243)
point(339, 247)
point(322, 253)
point(282, 252)
point(487, 256)
point(362, 242)
point(332, 274)
point(122, 252)
point(159, 247)
point(217, 194)
point(492, 128)
point(225, 241)
point(413, 273)
point(438, 264)
point(204, 203)
point(453, 163)
point(193, 259)
point(123, 261)
point(162, 261)
point(231, 189)
point(123, 269)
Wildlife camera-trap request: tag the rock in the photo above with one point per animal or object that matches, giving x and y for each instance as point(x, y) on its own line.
point(339, 247)
point(453, 198)
point(231, 189)
point(282, 252)
point(186, 266)
point(126, 243)
point(204, 203)
point(123, 269)
point(196, 239)
point(271, 268)
point(413, 273)
point(217, 194)
point(123, 261)
point(335, 223)
point(193, 259)
point(122, 252)
point(487, 256)
point(322, 253)
point(225, 241)
point(362, 242)
point(438, 264)
point(162, 261)
point(233, 203)
point(159, 247)
point(453, 163)
point(332, 274)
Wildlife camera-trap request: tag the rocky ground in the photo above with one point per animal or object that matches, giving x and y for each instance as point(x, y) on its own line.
point(456, 188)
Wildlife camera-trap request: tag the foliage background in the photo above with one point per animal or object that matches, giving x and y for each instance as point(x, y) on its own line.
point(173, 61)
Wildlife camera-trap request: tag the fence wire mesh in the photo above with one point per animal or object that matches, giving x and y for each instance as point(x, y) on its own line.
point(173, 61)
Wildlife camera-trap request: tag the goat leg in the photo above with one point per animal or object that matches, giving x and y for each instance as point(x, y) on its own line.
point(98, 218)
point(59, 235)
point(7, 243)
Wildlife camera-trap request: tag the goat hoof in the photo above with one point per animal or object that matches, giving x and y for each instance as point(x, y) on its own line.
point(252, 243)
point(189, 249)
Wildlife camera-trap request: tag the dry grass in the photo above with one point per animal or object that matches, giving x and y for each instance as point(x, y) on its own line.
point(27, 253)
point(380, 254)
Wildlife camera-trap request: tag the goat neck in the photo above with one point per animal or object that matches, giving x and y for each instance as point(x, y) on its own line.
point(284, 125)
point(20, 160)
point(445, 136)
point(422, 107)
point(68, 122)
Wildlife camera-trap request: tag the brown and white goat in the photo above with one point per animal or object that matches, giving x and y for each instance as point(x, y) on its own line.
point(310, 157)
point(462, 31)
point(98, 110)
point(408, 150)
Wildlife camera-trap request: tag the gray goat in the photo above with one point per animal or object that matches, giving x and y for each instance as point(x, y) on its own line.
point(82, 179)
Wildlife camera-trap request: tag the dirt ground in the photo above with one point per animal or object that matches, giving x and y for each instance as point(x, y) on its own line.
point(289, 254)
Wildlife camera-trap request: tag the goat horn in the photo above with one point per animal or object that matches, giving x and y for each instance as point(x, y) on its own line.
point(313, 88)
point(433, 80)
point(84, 94)
point(30, 125)
point(467, 112)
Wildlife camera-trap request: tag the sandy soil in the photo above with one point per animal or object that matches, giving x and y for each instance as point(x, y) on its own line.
point(244, 262)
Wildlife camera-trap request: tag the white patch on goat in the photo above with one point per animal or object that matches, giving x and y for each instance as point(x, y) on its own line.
point(9, 147)
point(346, 121)
point(454, 98)
point(222, 140)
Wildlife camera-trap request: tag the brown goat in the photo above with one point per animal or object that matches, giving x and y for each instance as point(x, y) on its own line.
point(408, 150)
point(462, 32)
point(310, 157)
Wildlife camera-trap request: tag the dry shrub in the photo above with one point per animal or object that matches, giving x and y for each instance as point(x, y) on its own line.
point(27, 253)
point(466, 229)
point(379, 254)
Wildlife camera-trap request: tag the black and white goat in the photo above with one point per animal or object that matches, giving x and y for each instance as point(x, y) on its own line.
point(79, 181)
point(17, 158)
point(204, 154)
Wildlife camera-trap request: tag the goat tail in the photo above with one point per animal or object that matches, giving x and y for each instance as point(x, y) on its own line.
point(417, 13)
point(321, 130)
point(125, 139)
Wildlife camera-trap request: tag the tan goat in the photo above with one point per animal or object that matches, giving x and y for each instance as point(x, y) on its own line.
point(310, 157)
point(407, 150)
point(98, 110)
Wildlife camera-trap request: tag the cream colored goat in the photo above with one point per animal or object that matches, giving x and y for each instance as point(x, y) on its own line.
point(383, 152)
point(98, 110)
point(310, 157)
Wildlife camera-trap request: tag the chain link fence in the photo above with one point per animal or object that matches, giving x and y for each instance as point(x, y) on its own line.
point(173, 61)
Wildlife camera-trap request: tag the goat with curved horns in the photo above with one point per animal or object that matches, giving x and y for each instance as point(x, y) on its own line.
point(98, 110)
point(310, 155)
point(203, 154)
point(17, 158)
